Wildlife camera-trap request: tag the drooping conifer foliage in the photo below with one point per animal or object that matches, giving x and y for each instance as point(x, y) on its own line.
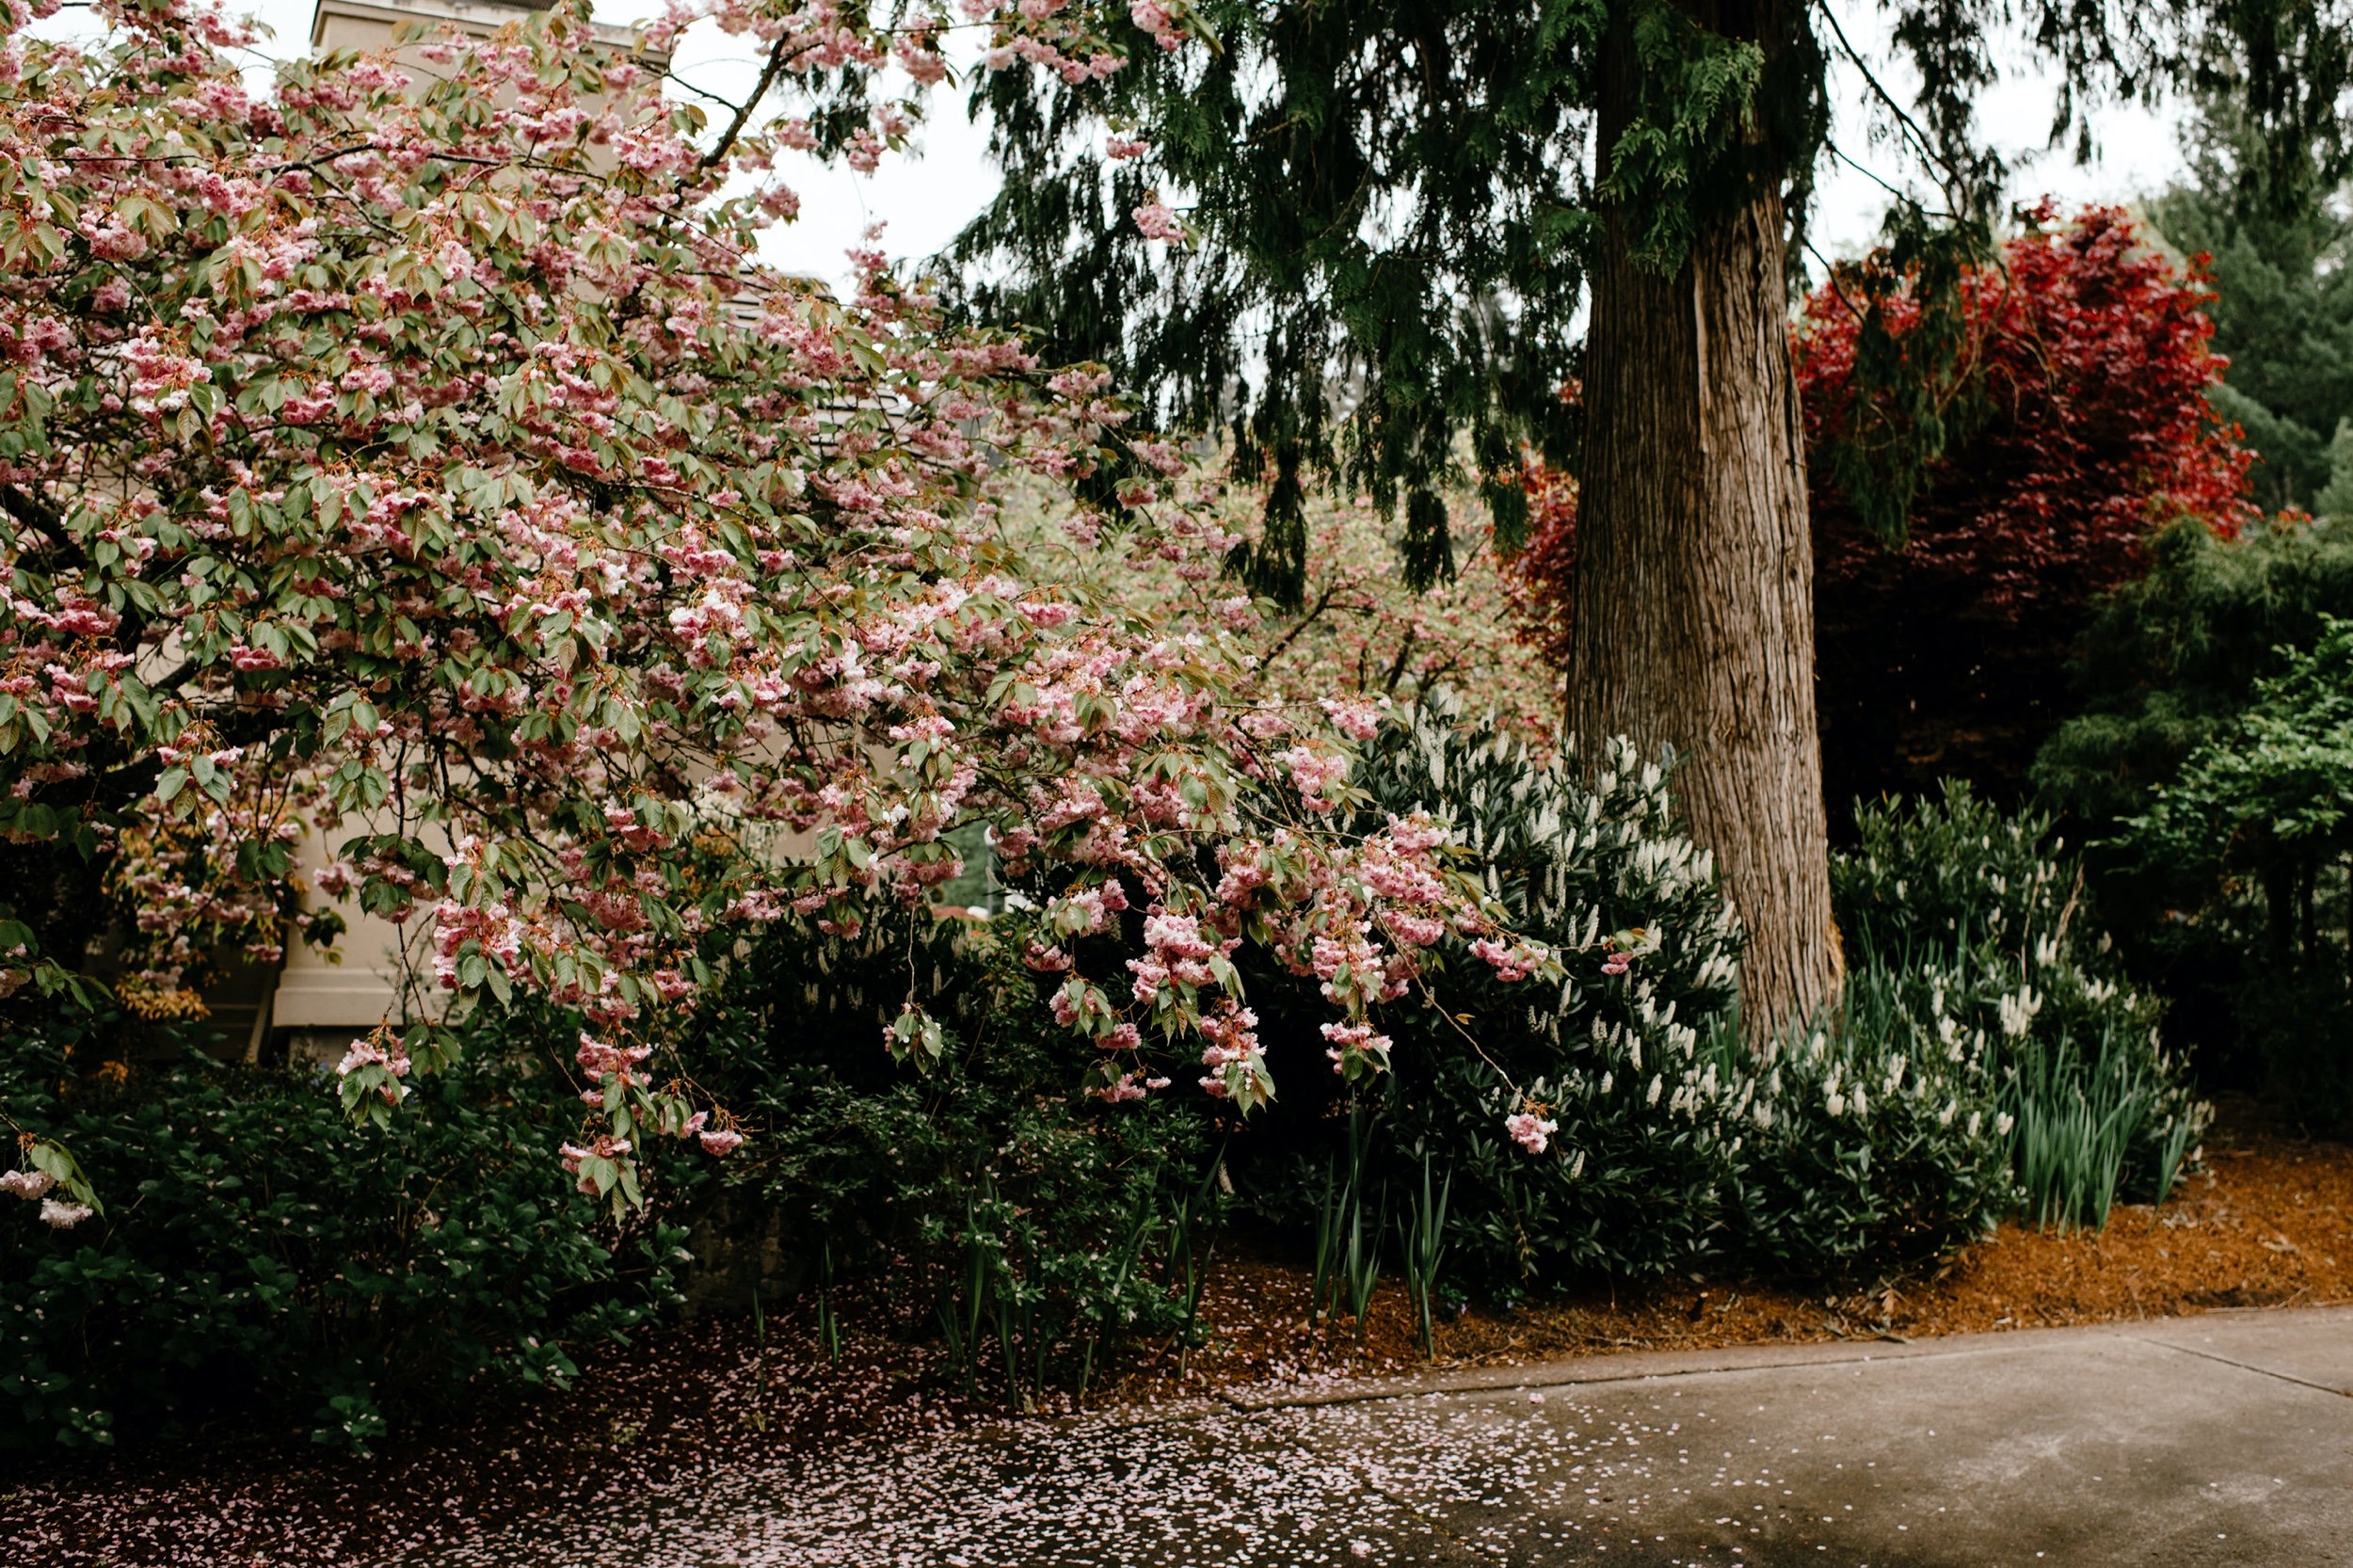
point(1351, 250)
point(1359, 232)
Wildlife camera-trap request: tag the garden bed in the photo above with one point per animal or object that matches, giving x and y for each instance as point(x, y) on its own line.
point(2268, 1222)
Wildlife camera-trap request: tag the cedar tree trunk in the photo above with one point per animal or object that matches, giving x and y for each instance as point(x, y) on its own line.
point(1694, 590)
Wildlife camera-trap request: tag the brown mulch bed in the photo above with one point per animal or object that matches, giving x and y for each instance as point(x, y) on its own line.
point(2268, 1221)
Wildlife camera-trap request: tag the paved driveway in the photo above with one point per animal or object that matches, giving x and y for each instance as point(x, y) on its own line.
point(2218, 1440)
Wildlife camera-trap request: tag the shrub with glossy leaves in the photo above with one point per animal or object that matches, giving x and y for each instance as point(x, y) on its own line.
point(2256, 829)
point(1876, 1149)
point(2172, 658)
point(261, 1260)
point(2224, 928)
point(1986, 1057)
point(1038, 1230)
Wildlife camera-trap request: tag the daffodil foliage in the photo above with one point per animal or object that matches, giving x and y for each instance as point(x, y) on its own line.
point(420, 457)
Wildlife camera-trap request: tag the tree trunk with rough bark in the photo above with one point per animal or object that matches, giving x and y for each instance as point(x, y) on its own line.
point(1694, 588)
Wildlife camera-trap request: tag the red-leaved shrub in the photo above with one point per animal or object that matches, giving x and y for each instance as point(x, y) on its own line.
point(2074, 421)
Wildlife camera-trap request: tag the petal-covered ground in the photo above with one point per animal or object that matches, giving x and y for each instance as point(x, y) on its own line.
point(2093, 1447)
point(703, 1412)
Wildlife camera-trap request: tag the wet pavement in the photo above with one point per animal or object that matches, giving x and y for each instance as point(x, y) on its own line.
point(2218, 1440)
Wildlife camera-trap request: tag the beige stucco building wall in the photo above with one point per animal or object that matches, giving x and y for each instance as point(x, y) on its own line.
point(363, 25)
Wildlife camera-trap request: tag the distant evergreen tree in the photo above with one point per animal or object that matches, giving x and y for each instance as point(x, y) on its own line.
point(2336, 497)
point(2280, 245)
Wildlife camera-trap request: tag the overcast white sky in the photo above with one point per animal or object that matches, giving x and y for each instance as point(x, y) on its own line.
point(925, 197)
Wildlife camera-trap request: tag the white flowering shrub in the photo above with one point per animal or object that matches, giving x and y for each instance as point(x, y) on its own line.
point(1972, 941)
point(1985, 1060)
point(1878, 1142)
point(1588, 1122)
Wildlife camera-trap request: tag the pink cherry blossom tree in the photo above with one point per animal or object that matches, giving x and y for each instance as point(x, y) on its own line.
point(429, 464)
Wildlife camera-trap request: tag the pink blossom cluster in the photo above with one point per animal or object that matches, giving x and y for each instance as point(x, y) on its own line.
point(603, 1148)
point(1509, 960)
point(1237, 1065)
point(1127, 1086)
point(1086, 911)
point(26, 1184)
point(461, 931)
point(383, 1052)
point(610, 1065)
point(1529, 1130)
point(1158, 19)
point(36, 1181)
point(1315, 772)
point(1179, 953)
point(1157, 221)
point(1354, 1042)
point(1358, 718)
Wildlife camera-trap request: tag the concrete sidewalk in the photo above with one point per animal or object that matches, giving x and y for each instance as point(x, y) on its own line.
point(2219, 1440)
point(2216, 1440)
